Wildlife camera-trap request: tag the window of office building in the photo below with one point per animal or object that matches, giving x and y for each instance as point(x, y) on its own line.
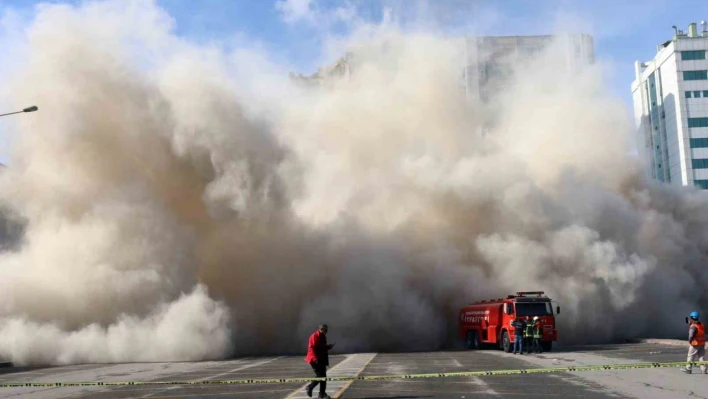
point(703, 184)
point(695, 75)
point(699, 143)
point(697, 122)
point(688, 94)
point(693, 55)
point(697, 94)
point(699, 163)
point(652, 90)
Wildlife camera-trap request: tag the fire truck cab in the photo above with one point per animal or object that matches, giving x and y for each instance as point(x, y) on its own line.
point(489, 322)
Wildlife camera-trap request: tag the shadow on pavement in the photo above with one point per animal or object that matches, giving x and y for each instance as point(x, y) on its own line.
point(560, 349)
point(12, 370)
point(590, 348)
point(397, 397)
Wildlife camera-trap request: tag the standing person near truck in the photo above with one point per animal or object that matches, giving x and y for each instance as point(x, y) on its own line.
point(318, 358)
point(519, 326)
point(537, 335)
point(697, 342)
point(528, 336)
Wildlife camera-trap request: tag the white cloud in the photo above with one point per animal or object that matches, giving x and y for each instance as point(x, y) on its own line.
point(307, 11)
point(296, 10)
point(347, 13)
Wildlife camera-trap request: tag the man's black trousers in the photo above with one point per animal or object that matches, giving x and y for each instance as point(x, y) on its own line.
point(320, 371)
point(537, 345)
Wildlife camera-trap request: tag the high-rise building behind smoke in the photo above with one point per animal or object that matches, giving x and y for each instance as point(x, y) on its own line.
point(670, 95)
point(488, 65)
point(488, 62)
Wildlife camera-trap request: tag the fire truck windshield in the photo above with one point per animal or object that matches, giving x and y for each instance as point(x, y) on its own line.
point(534, 309)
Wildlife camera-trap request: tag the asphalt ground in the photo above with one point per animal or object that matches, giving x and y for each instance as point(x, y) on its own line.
point(640, 352)
point(275, 367)
point(641, 383)
point(527, 386)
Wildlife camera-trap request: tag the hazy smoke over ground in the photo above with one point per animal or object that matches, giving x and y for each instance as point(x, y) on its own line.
point(188, 203)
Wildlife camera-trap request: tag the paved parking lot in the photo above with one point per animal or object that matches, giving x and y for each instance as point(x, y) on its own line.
point(642, 383)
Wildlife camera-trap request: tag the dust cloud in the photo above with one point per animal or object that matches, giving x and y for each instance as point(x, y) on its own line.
point(187, 202)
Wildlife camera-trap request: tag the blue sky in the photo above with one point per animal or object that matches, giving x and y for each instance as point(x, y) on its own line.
point(293, 31)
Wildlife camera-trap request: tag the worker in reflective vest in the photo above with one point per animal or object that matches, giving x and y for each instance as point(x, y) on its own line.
point(697, 342)
point(537, 335)
point(528, 336)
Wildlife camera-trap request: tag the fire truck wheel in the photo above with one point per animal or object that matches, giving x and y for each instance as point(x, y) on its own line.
point(472, 340)
point(547, 346)
point(506, 344)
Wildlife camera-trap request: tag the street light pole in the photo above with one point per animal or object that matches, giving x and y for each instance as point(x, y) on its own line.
point(28, 109)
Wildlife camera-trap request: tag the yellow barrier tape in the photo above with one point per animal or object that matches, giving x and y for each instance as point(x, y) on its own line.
point(359, 378)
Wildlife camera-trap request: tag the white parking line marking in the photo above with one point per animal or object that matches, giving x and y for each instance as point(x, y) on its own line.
point(215, 376)
point(349, 367)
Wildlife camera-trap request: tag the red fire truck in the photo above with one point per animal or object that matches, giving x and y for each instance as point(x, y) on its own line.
point(489, 322)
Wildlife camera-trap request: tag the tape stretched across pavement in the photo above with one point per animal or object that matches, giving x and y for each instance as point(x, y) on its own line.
point(359, 378)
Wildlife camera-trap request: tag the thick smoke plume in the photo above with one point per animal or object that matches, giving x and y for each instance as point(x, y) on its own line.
point(185, 202)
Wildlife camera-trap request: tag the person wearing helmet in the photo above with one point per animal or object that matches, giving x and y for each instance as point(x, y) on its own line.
point(537, 335)
point(697, 342)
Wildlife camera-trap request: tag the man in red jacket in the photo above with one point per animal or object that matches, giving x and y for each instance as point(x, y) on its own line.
point(318, 358)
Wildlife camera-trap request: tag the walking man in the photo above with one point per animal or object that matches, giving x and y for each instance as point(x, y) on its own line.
point(697, 342)
point(519, 327)
point(318, 358)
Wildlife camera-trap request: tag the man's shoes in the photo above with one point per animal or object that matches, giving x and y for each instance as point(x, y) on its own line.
point(687, 371)
point(324, 396)
point(309, 391)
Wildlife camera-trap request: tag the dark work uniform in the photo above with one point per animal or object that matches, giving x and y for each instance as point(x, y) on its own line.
point(519, 327)
point(537, 335)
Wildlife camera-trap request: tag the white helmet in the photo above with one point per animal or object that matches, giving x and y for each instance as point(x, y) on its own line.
point(535, 318)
